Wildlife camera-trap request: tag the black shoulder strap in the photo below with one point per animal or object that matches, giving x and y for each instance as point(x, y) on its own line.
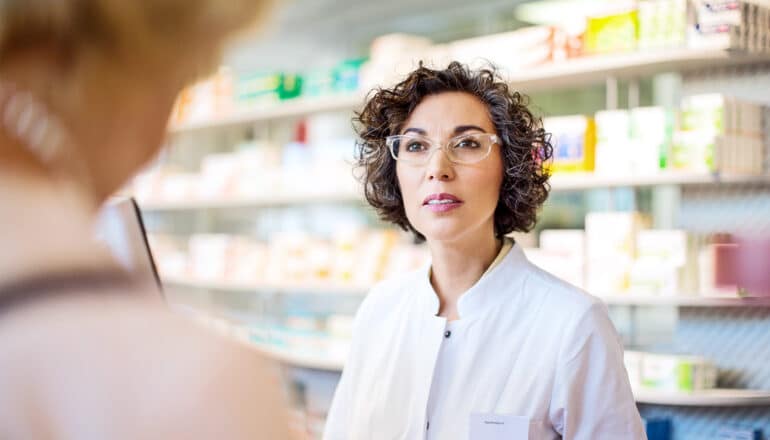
point(54, 285)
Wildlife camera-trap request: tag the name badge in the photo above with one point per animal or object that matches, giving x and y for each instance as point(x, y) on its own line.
point(498, 427)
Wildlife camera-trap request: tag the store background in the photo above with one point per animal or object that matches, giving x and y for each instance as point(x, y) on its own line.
point(260, 230)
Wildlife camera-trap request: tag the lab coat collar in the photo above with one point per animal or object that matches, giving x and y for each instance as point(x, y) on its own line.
point(492, 288)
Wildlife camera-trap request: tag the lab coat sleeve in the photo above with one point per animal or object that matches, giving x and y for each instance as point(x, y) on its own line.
point(340, 417)
point(592, 397)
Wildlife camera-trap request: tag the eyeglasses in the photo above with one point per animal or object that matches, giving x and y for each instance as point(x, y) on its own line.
point(417, 149)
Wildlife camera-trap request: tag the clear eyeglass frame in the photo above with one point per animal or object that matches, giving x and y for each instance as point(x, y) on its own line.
point(487, 140)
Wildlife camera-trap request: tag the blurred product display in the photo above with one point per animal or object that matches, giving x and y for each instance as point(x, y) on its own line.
point(659, 115)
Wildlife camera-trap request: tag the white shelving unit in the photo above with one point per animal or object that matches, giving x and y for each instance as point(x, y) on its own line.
point(559, 183)
point(704, 398)
point(266, 200)
point(229, 286)
point(580, 71)
point(583, 181)
point(684, 301)
point(594, 69)
point(361, 290)
point(297, 360)
point(286, 109)
point(712, 398)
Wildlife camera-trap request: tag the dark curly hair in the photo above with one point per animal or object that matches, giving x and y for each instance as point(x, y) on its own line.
point(526, 147)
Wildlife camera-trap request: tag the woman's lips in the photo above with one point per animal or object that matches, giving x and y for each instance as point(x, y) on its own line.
point(442, 202)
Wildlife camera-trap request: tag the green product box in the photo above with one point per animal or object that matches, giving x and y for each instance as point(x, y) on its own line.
point(318, 83)
point(258, 87)
point(291, 86)
point(347, 75)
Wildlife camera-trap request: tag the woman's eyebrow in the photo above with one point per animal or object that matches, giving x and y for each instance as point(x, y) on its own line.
point(463, 128)
point(419, 131)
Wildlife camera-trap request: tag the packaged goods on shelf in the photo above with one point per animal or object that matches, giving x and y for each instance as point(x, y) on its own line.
point(352, 257)
point(206, 100)
point(611, 249)
point(510, 51)
point(657, 429)
point(391, 57)
point(661, 256)
point(729, 24)
point(297, 169)
point(343, 78)
point(614, 32)
point(634, 142)
point(347, 75)
point(662, 23)
point(259, 88)
point(170, 258)
point(561, 253)
point(669, 373)
point(711, 264)
point(719, 133)
point(574, 143)
point(613, 130)
point(651, 130)
point(209, 255)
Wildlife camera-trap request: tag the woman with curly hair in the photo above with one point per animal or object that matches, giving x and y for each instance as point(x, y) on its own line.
point(480, 343)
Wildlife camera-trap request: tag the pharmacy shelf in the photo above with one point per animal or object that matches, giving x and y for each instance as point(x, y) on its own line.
point(684, 300)
point(559, 183)
point(298, 288)
point(681, 300)
point(300, 360)
point(577, 72)
point(265, 200)
point(595, 69)
point(583, 181)
point(704, 398)
point(286, 109)
point(714, 397)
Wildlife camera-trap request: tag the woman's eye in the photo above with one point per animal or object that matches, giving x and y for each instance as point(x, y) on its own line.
point(467, 143)
point(415, 147)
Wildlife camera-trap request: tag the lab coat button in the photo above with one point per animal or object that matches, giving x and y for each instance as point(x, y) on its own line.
point(447, 334)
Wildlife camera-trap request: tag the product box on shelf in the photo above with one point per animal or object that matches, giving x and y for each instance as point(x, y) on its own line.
point(574, 143)
point(677, 373)
point(657, 429)
point(347, 75)
point(669, 373)
point(257, 88)
point(510, 51)
point(615, 32)
point(662, 23)
point(719, 133)
point(613, 149)
point(729, 24)
point(561, 253)
point(661, 256)
point(205, 100)
point(651, 130)
point(611, 249)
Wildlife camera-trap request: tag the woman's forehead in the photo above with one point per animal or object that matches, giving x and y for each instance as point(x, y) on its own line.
point(442, 113)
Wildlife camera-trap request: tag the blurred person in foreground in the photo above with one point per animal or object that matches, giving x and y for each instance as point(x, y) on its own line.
point(86, 89)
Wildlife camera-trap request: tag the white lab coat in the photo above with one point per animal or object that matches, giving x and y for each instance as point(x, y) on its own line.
point(527, 344)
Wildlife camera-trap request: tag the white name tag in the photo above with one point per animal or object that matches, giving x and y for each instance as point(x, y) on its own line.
point(498, 427)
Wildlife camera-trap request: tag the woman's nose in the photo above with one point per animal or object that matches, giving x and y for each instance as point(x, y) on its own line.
point(439, 166)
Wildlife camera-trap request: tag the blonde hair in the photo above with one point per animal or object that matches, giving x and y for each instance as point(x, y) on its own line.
point(185, 34)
